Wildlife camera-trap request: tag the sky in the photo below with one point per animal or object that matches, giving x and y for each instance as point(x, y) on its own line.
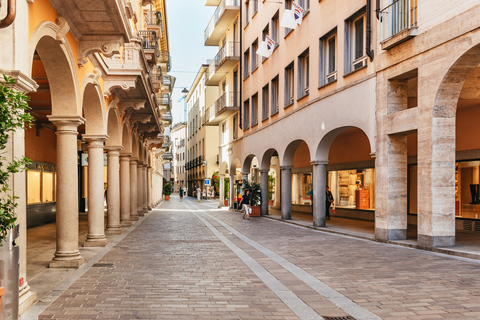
point(187, 20)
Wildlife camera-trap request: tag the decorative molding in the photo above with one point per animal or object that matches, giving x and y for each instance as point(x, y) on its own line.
point(125, 82)
point(24, 83)
point(108, 46)
point(143, 118)
point(63, 29)
point(131, 105)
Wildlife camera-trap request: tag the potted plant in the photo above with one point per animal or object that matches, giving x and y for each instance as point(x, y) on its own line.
point(255, 196)
point(167, 190)
point(271, 189)
point(226, 188)
point(13, 117)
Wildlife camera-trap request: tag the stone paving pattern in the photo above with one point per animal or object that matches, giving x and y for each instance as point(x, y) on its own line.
point(172, 267)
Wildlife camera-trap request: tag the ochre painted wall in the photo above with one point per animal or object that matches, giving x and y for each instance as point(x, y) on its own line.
point(302, 156)
point(468, 128)
point(43, 148)
point(350, 146)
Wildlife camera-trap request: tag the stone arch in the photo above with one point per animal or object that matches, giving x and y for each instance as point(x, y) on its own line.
point(93, 108)
point(126, 138)
point(135, 145)
point(233, 166)
point(265, 162)
point(247, 163)
point(223, 168)
point(323, 148)
point(114, 129)
point(290, 152)
point(60, 66)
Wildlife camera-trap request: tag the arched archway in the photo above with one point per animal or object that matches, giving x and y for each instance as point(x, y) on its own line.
point(270, 180)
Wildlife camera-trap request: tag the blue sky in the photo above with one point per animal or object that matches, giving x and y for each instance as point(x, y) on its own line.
point(187, 20)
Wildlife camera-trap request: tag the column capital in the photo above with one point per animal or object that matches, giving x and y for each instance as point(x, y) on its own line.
point(113, 149)
point(316, 162)
point(149, 167)
point(286, 167)
point(134, 159)
point(95, 137)
point(64, 123)
point(264, 170)
point(245, 173)
point(145, 165)
point(126, 155)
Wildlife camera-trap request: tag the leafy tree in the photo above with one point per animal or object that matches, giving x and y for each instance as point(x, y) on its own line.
point(13, 117)
point(167, 189)
point(255, 192)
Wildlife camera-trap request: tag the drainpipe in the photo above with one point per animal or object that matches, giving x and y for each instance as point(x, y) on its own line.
point(377, 10)
point(240, 70)
point(11, 13)
point(369, 50)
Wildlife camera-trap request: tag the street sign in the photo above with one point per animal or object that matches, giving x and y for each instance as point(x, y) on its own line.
point(207, 182)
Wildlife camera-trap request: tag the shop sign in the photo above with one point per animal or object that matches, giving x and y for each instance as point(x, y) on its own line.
point(84, 159)
point(45, 167)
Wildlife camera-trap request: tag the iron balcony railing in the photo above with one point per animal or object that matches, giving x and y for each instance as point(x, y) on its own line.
point(168, 156)
point(156, 74)
point(163, 100)
point(227, 100)
point(218, 14)
point(149, 41)
point(154, 18)
point(230, 50)
point(397, 17)
point(164, 57)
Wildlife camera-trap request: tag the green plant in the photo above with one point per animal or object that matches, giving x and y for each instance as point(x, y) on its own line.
point(271, 186)
point(13, 117)
point(167, 189)
point(226, 187)
point(255, 192)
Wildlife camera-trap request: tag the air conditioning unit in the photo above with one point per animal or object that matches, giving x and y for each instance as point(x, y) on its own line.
point(359, 63)
point(332, 77)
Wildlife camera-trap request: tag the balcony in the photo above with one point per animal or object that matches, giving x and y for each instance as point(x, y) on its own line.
point(226, 11)
point(154, 19)
point(398, 23)
point(150, 46)
point(163, 102)
point(167, 83)
point(224, 61)
point(225, 106)
point(167, 118)
point(168, 156)
point(164, 59)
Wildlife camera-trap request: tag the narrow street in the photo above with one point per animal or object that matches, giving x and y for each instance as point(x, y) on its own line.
point(190, 260)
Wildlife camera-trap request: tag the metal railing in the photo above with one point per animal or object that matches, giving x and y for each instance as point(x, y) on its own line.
point(154, 18)
point(163, 100)
point(397, 17)
point(149, 41)
point(156, 74)
point(218, 14)
point(228, 99)
point(230, 50)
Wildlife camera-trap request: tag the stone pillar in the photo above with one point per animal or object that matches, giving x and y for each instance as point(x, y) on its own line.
point(113, 191)
point(145, 184)
point(125, 190)
point(67, 254)
point(222, 191)
point(232, 183)
point(149, 188)
point(264, 190)
point(278, 190)
point(286, 192)
point(244, 176)
point(96, 209)
point(319, 194)
point(139, 187)
point(133, 189)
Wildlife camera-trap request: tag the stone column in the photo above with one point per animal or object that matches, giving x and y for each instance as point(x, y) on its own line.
point(244, 176)
point(67, 254)
point(232, 183)
point(133, 189)
point(96, 209)
point(113, 191)
point(319, 194)
point(286, 192)
point(264, 190)
point(149, 188)
point(145, 184)
point(278, 190)
point(222, 191)
point(125, 190)
point(140, 189)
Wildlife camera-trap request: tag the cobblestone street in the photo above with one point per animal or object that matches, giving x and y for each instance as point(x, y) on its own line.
point(190, 260)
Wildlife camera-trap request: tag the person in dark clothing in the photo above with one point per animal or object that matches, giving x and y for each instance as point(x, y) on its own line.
point(329, 200)
point(246, 204)
point(181, 193)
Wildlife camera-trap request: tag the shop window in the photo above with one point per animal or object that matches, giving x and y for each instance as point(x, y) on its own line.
point(41, 181)
point(301, 188)
point(34, 182)
point(353, 188)
point(48, 191)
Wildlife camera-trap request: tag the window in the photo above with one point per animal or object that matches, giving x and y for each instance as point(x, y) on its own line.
point(355, 55)
point(40, 184)
point(247, 18)
point(255, 7)
point(303, 73)
point(265, 102)
point(328, 58)
point(246, 114)
point(274, 99)
point(275, 26)
point(34, 186)
point(254, 55)
point(289, 82)
point(255, 109)
point(305, 4)
point(288, 6)
point(246, 62)
point(264, 36)
point(235, 124)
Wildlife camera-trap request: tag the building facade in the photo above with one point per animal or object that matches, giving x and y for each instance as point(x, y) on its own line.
point(178, 137)
point(94, 87)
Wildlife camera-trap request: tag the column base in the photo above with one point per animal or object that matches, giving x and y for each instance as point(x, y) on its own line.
point(117, 229)
point(26, 300)
point(74, 263)
point(134, 218)
point(95, 241)
point(429, 242)
point(145, 210)
point(149, 208)
point(126, 223)
point(390, 234)
point(140, 212)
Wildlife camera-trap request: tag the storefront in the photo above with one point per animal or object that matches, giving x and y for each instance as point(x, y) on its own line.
point(41, 184)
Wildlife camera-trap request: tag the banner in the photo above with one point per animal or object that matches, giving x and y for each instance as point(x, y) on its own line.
point(297, 12)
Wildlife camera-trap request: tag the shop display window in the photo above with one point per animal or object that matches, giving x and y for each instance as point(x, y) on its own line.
point(48, 193)
point(301, 188)
point(34, 180)
point(467, 181)
point(41, 181)
point(353, 188)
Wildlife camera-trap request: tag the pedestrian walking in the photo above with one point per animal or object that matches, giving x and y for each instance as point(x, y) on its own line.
point(246, 204)
point(181, 193)
point(329, 200)
point(199, 193)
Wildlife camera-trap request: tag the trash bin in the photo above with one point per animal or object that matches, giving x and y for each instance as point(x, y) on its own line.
point(10, 274)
